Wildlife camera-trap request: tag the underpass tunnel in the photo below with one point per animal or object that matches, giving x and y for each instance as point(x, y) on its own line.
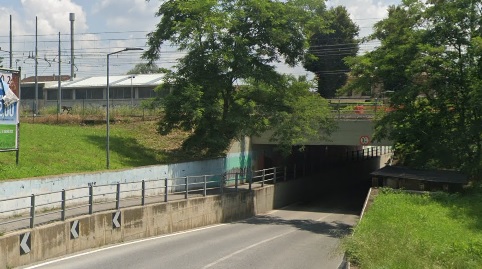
point(339, 176)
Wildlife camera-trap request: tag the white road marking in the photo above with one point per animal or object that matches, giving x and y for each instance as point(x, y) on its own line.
point(123, 244)
point(255, 245)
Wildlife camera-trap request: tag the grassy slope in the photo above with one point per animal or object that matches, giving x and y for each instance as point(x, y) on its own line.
point(420, 231)
point(57, 149)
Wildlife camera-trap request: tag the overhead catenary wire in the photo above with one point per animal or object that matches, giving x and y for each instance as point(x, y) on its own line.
point(91, 50)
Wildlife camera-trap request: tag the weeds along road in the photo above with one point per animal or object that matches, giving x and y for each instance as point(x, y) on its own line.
point(304, 235)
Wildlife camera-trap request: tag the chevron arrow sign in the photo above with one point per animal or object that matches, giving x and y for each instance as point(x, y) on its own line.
point(116, 219)
point(25, 243)
point(74, 229)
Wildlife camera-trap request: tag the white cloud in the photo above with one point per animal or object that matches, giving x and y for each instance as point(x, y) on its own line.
point(127, 15)
point(53, 16)
point(364, 12)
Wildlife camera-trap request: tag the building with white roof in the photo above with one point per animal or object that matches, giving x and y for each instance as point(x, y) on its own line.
point(124, 90)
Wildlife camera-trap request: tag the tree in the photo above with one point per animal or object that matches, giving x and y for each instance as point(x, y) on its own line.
point(430, 57)
point(225, 87)
point(146, 68)
point(328, 49)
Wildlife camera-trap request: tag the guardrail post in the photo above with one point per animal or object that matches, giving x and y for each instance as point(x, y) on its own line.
point(262, 179)
point(165, 189)
point(294, 171)
point(117, 197)
point(143, 199)
point(205, 185)
point(32, 211)
point(62, 213)
point(91, 199)
point(186, 181)
point(236, 178)
point(221, 183)
point(274, 176)
point(250, 180)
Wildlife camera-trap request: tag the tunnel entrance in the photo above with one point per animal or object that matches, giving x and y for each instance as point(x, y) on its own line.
point(339, 176)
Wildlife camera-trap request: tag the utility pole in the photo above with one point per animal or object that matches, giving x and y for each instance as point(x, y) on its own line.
point(11, 49)
point(35, 108)
point(59, 94)
point(72, 19)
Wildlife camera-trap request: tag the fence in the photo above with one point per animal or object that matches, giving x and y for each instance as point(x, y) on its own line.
point(67, 203)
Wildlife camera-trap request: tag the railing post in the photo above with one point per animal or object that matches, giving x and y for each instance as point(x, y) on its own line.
point(32, 211)
point(186, 182)
point(262, 179)
point(165, 189)
point(117, 197)
point(250, 180)
point(221, 183)
point(274, 176)
point(236, 178)
point(143, 199)
point(62, 213)
point(285, 174)
point(91, 199)
point(205, 185)
point(294, 171)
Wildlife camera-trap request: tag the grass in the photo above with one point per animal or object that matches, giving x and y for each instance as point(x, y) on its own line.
point(403, 230)
point(47, 149)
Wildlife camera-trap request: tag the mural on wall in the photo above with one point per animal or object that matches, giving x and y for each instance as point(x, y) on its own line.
point(238, 159)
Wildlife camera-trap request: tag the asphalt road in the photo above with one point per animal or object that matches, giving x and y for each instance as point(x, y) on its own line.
point(304, 235)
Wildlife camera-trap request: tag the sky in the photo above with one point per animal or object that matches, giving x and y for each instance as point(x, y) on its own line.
point(105, 26)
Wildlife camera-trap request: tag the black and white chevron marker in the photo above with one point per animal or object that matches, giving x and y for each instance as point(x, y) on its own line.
point(116, 219)
point(74, 229)
point(25, 243)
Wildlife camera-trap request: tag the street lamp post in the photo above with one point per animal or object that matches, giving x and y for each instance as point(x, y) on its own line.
point(107, 108)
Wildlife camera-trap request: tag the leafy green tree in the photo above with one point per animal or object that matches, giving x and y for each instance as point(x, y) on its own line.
point(328, 49)
point(430, 57)
point(226, 86)
point(146, 68)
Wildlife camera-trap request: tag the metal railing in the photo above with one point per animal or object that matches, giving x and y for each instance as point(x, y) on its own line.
point(60, 205)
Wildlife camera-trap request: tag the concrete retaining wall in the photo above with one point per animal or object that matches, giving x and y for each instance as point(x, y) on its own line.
point(237, 159)
point(97, 230)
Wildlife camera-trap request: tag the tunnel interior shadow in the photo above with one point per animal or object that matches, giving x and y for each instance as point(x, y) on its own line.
point(334, 229)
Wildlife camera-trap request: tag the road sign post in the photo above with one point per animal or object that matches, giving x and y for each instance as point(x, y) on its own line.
point(9, 110)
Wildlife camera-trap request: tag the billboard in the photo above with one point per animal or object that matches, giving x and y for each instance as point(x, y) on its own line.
point(9, 109)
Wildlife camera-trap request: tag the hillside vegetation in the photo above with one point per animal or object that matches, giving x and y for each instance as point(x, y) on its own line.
point(403, 230)
point(48, 149)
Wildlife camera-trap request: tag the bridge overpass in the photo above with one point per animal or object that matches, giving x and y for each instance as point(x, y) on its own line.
point(350, 132)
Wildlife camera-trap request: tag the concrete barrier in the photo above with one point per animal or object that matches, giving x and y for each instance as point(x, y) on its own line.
point(97, 230)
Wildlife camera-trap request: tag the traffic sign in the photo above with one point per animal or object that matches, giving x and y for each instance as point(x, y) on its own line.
point(74, 229)
point(115, 219)
point(364, 140)
point(25, 243)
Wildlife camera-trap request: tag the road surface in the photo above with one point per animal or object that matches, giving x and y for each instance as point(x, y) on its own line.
point(304, 235)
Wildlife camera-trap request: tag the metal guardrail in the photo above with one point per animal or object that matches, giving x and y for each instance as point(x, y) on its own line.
point(358, 110)
point(97, 198)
